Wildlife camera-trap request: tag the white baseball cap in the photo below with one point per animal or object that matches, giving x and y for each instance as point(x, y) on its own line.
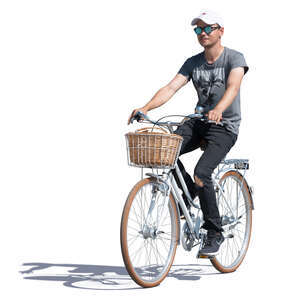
point(209, 17)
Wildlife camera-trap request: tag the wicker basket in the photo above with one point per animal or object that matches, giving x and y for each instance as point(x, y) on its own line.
point(146, 148)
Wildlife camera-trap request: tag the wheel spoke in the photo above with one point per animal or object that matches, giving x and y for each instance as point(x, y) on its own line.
point(233, 248)
point(150, 246)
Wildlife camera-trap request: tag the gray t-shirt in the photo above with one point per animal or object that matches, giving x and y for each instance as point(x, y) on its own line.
point(210, 81)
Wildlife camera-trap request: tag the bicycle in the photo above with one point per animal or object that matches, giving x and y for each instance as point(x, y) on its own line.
point(150, 226)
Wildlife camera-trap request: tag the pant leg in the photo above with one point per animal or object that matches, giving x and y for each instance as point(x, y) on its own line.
point(219, 142)
point(186, 176)
point(191, 141)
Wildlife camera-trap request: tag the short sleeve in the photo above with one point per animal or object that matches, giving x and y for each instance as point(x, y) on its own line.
point(186, 69)
point(238, 60)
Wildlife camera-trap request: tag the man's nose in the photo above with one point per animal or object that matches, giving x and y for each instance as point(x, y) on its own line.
point(203, 33)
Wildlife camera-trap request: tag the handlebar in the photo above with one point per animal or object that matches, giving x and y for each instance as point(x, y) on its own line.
point(199, 114)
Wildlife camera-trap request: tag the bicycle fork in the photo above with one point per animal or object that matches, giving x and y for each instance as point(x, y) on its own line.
point(150, 230)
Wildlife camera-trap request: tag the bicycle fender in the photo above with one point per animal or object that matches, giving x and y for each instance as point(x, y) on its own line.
point(178, 219)
point(219, 175)
point(249, 189)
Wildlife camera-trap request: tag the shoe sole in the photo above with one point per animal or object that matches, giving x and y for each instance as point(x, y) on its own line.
point(207, 255)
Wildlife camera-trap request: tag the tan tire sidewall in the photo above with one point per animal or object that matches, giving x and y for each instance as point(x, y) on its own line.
point(214, 260)
point(123, 235)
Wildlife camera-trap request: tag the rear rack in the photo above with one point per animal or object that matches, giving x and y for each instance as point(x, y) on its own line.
point(240, 164)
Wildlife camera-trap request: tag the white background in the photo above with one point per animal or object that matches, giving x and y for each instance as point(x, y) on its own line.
point(71, 73)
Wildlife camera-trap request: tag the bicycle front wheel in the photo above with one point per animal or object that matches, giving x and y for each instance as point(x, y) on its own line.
point(236, 214)
point(149, 233)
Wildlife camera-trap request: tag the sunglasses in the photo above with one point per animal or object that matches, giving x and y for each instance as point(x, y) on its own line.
point(207, 29)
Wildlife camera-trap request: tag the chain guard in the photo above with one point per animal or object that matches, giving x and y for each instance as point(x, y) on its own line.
point(186, 238)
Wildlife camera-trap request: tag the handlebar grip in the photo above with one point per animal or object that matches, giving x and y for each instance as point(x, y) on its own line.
point(138, 116)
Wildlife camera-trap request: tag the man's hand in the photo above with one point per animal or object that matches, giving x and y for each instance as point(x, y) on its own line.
point(214, 115)
point(142, 109)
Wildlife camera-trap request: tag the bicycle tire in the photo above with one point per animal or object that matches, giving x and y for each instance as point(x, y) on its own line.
point(218, 261)
point(139, 273)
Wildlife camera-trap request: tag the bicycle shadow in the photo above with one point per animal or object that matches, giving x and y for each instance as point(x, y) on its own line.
point(102, 277)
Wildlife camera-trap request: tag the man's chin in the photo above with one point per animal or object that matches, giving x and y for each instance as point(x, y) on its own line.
point(205, 44)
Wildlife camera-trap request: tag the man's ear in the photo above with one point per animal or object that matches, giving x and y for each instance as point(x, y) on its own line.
point(221, 32)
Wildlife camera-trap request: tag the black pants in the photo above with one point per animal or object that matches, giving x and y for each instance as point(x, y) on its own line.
point(218, 143)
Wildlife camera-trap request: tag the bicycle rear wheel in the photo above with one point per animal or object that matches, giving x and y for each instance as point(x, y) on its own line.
point(149, 239)
point(236, 215)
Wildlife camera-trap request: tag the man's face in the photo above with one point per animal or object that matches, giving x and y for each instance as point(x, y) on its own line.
point(208, 40)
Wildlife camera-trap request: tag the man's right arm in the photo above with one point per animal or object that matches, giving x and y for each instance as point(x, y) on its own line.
point(163, 95)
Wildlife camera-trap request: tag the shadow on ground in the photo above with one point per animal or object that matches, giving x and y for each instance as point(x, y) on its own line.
point(103, 277)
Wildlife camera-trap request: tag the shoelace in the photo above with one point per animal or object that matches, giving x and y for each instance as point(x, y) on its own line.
point(208, 240)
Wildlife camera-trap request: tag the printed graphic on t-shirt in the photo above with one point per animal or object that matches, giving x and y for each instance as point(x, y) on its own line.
point(210, 84)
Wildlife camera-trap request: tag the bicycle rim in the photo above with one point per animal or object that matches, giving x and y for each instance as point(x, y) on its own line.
point(237, 223)
point(148, 242)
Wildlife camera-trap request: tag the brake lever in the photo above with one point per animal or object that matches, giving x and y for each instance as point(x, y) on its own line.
point(138, 116)
point(202, 110)
point(214, 122)
point(198, 116)
point(202, 117)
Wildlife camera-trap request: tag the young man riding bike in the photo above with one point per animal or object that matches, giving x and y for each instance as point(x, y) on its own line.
point(216, 73)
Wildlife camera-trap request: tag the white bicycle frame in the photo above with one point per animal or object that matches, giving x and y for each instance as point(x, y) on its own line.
point(168, 184)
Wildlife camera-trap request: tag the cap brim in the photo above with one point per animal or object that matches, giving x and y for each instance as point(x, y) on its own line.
point(195, 20)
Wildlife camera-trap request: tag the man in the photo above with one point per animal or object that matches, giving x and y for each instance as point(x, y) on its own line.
point(216, 73)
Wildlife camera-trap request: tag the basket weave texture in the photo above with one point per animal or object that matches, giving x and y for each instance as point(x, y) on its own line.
point(146, 148)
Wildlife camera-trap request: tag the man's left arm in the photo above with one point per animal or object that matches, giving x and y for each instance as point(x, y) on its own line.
point(233, 85)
